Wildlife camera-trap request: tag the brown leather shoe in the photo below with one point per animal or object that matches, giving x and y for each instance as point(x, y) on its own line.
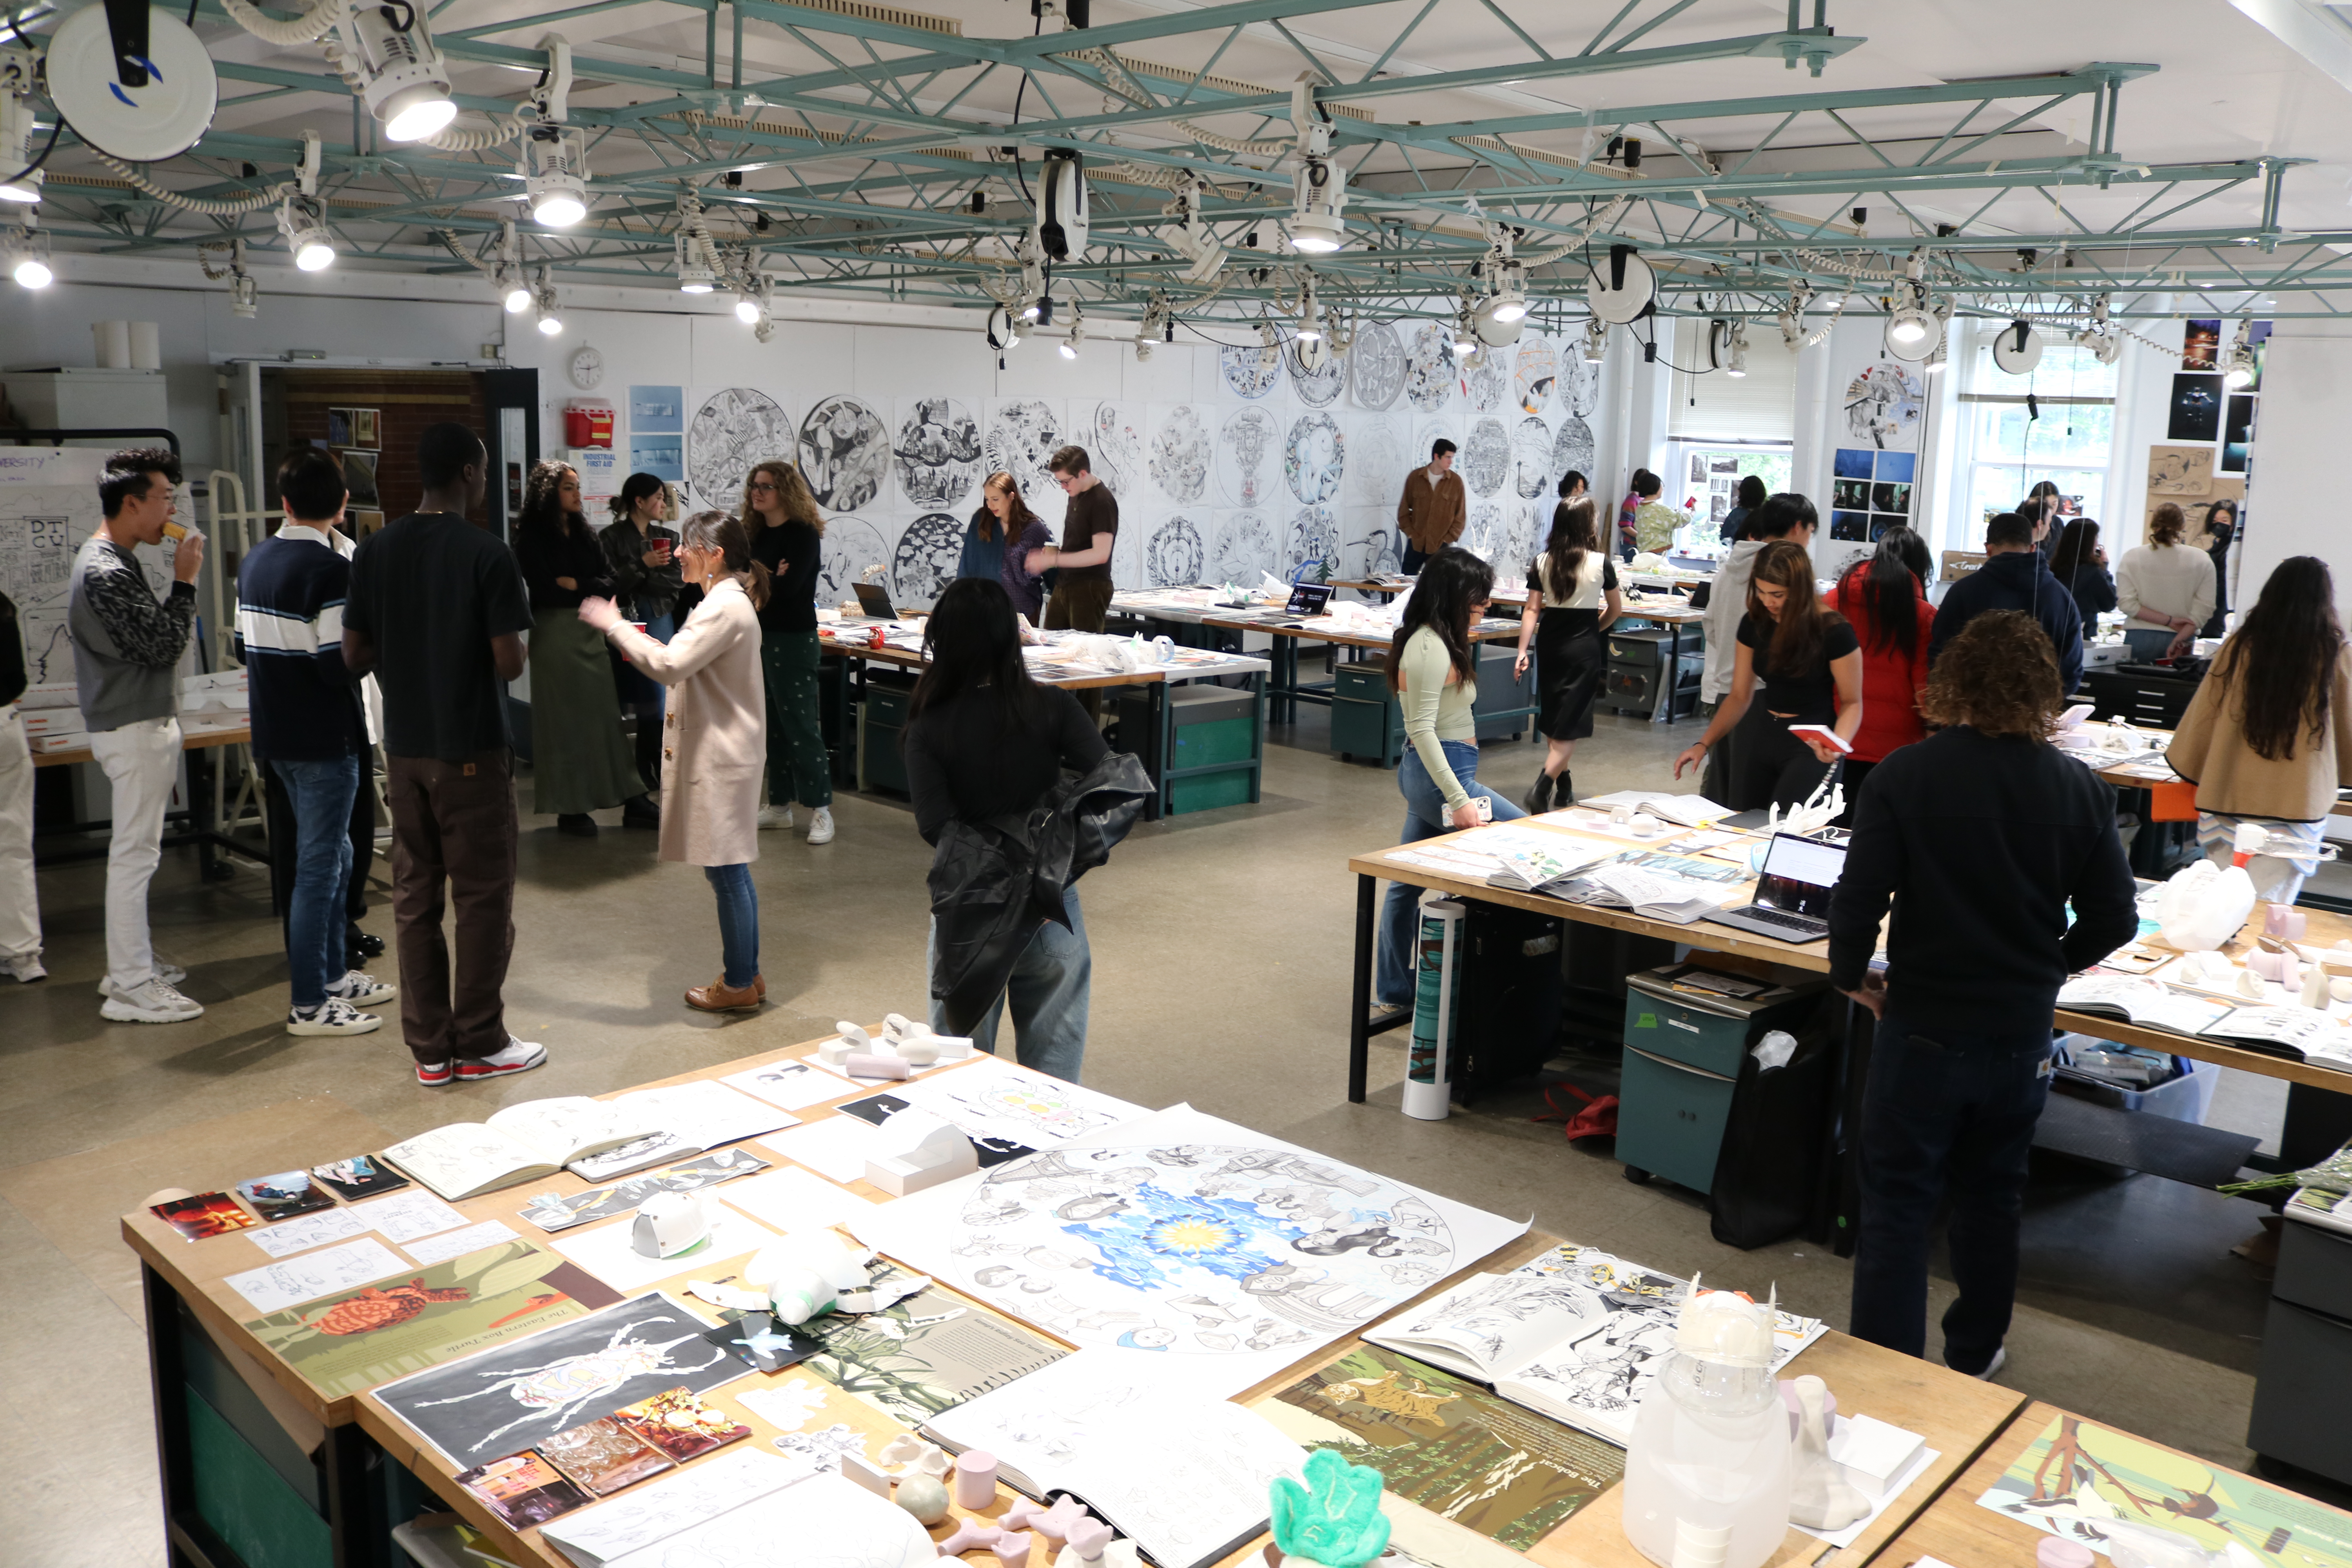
point(718, 997)
point(760, 983)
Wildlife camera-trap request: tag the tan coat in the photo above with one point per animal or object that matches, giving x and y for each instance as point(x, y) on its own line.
point(2232, 779)
point(1431, 510)
point(715, 735)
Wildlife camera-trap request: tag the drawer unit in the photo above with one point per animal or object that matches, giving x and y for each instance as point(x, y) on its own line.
point(1670, 1116)
point(1504, 701)
point(1684, 1049)
point(1365, 718)
point(881, 721)
point(2138, 694)
point(1650, 645)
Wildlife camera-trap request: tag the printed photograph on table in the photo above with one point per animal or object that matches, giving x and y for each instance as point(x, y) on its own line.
point(681, 1424)
point(205, 1215)
point(2195, 412)
point(788, 1084)
point(553, 1210)
point(524, 1490)
point(602, 1456)
point(657, 410)
point(284, 1195)
point(924, 1354)
point(361, 1176)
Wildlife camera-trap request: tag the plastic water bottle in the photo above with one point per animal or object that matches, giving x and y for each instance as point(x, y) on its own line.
point(1706, 1475)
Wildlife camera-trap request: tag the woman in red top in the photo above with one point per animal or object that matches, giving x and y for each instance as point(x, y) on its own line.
point(1885, 597)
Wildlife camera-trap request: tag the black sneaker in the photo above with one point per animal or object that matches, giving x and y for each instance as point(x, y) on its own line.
point(640, 813)
point(578, 823)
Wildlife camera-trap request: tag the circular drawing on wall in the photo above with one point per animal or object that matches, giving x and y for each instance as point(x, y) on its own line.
point(1245, 549)
point(844, 453)
point(1572, 449)
point(1376, 365)
point(1176, 554)
point(1022, 441)
point(851, 544)
point(732, 430)
point(1533, 375)
point(1486, 533)
point(1372, 554)
point(1314, 536)
point(1250, 370)
point(1883, 405)
point(1485, 459)
point(1315, 457)
point(1245, 456)
point(1200, 1248)
point(1180, 455)
point(1320, 387)
point(1377, 464)
point(1487, 378)
point(1115, 445)
point(1429, 373)
point(938, 452)
point(925, 562)
point(1578, 383)
point(1531, 457)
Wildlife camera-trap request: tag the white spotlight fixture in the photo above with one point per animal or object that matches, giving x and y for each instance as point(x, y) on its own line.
point(27, 252)
point(1509, 300)
point(1319, 191)
point(753, 302)
point(697, 257)
point(16, 147)
point(1077, 335)
point(517, 294)
point(542, 296)
point(2238, 371)
point(555, 170)
point(406, 85)
point(1310, 321)
point(1596, 339)
point(1727, 342)
point(747, 309)
point(303, 221)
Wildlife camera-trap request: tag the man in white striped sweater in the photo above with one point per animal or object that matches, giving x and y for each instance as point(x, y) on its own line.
point(309, 731)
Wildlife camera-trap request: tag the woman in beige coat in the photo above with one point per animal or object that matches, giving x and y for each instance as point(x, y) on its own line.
point(714, 738)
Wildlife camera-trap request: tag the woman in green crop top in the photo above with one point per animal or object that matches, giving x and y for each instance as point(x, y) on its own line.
point(1432, 669)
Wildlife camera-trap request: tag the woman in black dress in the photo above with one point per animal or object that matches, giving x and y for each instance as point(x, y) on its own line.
point(1571, 598)
point(2220, 528)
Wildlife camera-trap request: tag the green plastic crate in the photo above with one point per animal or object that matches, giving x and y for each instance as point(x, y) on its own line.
point(248, 1505)
point(1218, 740)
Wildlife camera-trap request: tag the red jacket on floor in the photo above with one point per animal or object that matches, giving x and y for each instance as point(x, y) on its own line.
point(1890, 682)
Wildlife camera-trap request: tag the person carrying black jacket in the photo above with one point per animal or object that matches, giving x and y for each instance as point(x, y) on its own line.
point(1979, 835)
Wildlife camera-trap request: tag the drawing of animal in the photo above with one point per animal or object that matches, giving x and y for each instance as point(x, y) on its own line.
point(380, 1306)
point(564, 1384)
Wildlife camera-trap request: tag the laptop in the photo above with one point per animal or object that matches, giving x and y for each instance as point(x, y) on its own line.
point(1792, 893)
point(1309, 599)
point(875, 600)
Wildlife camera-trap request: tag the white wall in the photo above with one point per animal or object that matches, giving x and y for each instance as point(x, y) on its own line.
point(2294, 489)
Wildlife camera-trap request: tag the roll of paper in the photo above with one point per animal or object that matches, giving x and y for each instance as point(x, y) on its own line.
point(146, 347)
point(110, 342)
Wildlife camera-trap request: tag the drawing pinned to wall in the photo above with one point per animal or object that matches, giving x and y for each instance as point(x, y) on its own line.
point(2180, 470)
point(733, 429)
point(1249, 370)
point(1176, 554)
point(1313, 535)
point(851, 544)
point(1180, 455)
point(1320, 387)
point(1487, 380)
point(1578, 386)
point(1483, 531)
point(938, 451)
point(1376, 365)
point(1315, 457)
point(657, 410)
point(1531, 447)
point(1371, 547)
point(1426, 434)
point(1484, 462)
point(1023, 433)
point(1535, 373)
point(844, 451)
point(1883, 405)
point(925, 562)
point(1430, 377)
point(1246, 462)
point(1114, 443)
point(1574, 450)
point(1377, 463)
point(1242, 548)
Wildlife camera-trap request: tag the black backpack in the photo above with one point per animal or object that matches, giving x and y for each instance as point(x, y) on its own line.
point(12, 653)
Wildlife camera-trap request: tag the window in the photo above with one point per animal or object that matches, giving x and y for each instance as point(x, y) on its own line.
point(2009, 445)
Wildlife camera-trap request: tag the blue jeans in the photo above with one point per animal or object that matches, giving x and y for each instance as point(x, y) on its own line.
point(1051, 983)
point(323, 793)
point(739, 923)
point(1424, 817)
point(1947, 1111)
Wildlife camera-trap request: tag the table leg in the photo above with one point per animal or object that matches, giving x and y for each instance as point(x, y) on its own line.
point(1163, 729)
point(1359, 1036)
point(1258, 734)
point(1674, 669)
point(1844, 1221)
point(210, 867)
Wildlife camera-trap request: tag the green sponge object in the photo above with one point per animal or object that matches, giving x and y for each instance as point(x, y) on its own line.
point(1335, 1519)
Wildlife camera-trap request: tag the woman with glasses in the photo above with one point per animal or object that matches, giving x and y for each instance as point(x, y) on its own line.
point(787, 533)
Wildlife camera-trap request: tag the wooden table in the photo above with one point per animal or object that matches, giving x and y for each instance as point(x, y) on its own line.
point(1957, 1414)
point(203, 827)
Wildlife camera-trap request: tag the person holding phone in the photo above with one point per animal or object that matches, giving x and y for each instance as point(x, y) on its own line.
point(641, 557)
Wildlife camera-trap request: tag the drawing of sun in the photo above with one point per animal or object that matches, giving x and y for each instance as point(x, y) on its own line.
point(1190, 1236)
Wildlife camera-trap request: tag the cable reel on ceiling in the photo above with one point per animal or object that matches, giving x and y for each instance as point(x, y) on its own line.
point(2018, 349)
point(1622, 289)
point(1062, 206)
point(132, 81)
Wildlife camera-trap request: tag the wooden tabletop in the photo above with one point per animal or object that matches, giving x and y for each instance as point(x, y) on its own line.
point(905, 659)
point(190, 741)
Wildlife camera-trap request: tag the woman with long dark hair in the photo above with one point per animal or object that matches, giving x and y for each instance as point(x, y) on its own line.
point(641, 558)
point(983, 739)
point(2081, 565)
point(2268, 737)
point(713, 740)
point(1571, 598)
point(787, 538)
point(996, 545)
point(2220, 527)
point(1809, 663)
point(2164, 588)
point(1433, 667)
point(1746, 499)
point(580, 760)
point(1883, 596)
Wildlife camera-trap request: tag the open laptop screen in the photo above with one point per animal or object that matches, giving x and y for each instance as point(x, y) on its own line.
point(1799, 874)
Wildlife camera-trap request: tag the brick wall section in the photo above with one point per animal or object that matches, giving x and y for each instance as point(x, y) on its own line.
point(405, 402)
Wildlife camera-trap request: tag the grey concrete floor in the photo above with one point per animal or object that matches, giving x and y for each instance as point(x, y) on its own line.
point(1222, 946)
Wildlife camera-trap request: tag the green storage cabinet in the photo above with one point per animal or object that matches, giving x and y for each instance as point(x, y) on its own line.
point(1212, 727)
point(1505, 704)
point(1365, 718)
point(881, 723)
point(1670, 1116)
point(1683, 1051)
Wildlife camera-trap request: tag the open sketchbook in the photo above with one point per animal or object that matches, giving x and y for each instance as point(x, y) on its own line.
point(520, 1144)
point(1688, 810)
point(1183, 1476)
point(688, 1119)
point(2297, 1034)
point(1653, 895)
point(1571, 1335)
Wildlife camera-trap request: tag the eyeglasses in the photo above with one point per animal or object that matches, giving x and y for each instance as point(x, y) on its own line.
point(760, 486)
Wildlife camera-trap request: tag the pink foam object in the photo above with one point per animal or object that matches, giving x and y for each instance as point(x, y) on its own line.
point(969, 1533)
point(1054, 1523)
point(975, 1478)
point(2055, 1552)
point(860, 1065)
point(1013, 1550)
point(1087, 1538)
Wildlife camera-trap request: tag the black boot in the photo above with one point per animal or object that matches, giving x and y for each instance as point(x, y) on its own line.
point(640, 812)
point(1563, 791)
point(578, 823)
point(1537, 799)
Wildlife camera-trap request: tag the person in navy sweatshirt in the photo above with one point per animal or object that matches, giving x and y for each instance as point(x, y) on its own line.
point(1979, 836)
point(2015, 576)
point(309, 731)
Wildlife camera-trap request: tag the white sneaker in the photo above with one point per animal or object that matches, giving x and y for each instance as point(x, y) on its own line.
point(774, 816)
point(152, 1003)
point(169, 974)
point(821, 826)
point(25, 969)
point(362, 990)
point(1999, 1359)
point(519, 1055)
point(334, 1017)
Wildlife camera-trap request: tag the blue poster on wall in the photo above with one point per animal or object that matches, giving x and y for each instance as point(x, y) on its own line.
point(663, 456)
point(657, 410)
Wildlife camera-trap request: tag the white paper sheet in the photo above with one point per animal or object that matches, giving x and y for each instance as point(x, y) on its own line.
point(306, 1231)
point(643, 1515)
point(405, 1216)
point(451, 1244)
point(792, 1200)
point(995, 1098)
point(790, 1085)
point(824, 1520)
point(705, 1112)
point(306, 1278)
point(605, 1251)
point(837, 1146)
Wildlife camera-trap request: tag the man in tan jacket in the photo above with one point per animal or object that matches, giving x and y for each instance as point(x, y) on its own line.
point(1431, 511)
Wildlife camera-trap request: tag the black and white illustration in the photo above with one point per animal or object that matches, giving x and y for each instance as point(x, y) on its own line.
point(1430, 376)
point(1485, 531)
point(1376, 365)
point(1578, 386)
point(1313, 535)
point(1531, 448)
point(1320, 387)
point(1315, 457)
point(1023, 433)
point(1180, 455)
point(734, 429)
point(1371, 546)
point(851, 545)
point(1486, 460)
point(1114, 440)
point(1242, 548)
point(1249, 455)
point(1535, 373)
point(1487, 380)
point(1572, 449)
point(1377, 461)
point(844, 453)
point(43, 517)
point(1249, 370)
point(925, 562)
point(1175, 556)
point(938, 451)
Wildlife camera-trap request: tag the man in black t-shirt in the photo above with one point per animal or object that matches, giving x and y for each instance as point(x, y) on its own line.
point(1082, 591)
point(436, 610)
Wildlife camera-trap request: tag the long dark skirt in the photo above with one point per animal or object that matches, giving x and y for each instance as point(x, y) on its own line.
point(1570, 660)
